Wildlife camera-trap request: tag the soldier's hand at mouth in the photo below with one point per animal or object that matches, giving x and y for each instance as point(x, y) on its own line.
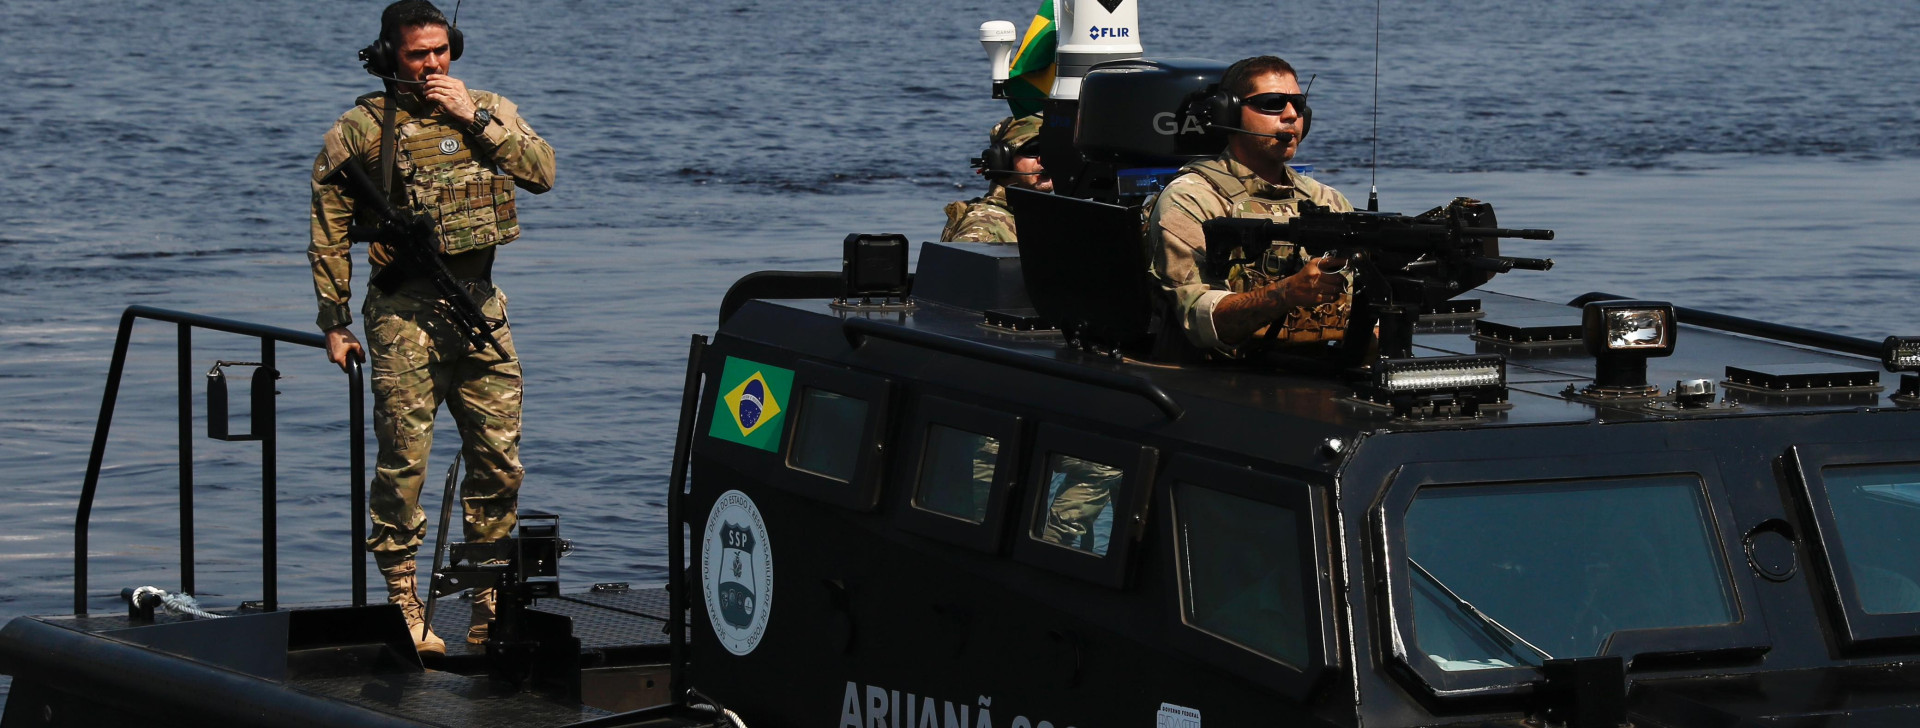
point(451, 94)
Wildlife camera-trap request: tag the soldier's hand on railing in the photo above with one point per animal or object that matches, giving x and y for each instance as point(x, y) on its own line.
point(342, 344)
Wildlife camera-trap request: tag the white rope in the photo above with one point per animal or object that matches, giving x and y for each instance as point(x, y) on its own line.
point(727, 717)
point(178, 605)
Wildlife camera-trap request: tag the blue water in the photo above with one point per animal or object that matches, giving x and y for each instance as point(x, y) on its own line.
point(1753, 156)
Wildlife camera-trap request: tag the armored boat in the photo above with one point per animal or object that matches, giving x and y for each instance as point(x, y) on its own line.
point(996, 493)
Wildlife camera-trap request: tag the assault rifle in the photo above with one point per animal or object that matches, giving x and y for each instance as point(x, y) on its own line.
point(1402, 265)
point(409, 235)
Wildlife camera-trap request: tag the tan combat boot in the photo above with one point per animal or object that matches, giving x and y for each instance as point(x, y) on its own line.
point(400, 590)
point(483, 610)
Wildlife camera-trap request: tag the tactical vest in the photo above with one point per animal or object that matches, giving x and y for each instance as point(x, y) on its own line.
point(1325, 322)
point(436, 167)
point(1245, 205)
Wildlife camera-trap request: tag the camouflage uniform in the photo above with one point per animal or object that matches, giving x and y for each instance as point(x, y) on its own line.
point(988, 219)
point(980, 220)
point(466, 181)
point(1177, 248)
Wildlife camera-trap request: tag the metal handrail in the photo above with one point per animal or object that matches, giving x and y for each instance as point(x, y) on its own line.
point(857, 330)
point(267, 335)
point(1763, 329)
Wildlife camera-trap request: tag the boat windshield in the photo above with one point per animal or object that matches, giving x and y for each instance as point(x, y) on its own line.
point(1877, 510)
point(1513, 574)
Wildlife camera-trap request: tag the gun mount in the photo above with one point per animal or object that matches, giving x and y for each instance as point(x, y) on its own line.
point(524, 645)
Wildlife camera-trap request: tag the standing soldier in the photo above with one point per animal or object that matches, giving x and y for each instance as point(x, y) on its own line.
point(456, 155)
point(1011, 159)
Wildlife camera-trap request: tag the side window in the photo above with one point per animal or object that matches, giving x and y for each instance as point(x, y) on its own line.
point(956, 473)
point(1247, 551)
point(1087, 504)
point(1242, 565)
point(827, 438)
point(1078, 493)
point(960, 465)
point(837, 420)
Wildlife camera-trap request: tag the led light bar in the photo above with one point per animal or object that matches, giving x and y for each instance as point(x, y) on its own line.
point(1438, 377)
point(1414, 376)
point(1901, 354)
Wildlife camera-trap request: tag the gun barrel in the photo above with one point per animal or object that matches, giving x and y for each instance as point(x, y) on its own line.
point(1532, 263)
point(1522, 233)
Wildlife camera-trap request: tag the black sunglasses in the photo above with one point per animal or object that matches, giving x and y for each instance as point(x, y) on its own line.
point(1276, 103)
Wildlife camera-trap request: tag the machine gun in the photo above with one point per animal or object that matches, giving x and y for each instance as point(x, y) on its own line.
point(410, 236)
point(1403, 265)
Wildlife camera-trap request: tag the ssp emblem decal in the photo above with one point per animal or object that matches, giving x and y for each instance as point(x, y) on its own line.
point(736, 572)
point(754, 399)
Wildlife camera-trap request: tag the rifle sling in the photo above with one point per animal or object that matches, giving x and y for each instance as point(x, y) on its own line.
point(387, 142)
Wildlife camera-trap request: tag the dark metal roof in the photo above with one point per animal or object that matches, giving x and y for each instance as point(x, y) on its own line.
point(1537, 376)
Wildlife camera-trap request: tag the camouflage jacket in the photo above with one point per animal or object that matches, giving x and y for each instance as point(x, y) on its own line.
point(507, 147)
point(1177, 248)
point(980, 220)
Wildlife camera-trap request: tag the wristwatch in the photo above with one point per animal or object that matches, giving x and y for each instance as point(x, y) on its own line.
point(481, 118)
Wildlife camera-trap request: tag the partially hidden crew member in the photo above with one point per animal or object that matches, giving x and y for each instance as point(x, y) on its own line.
point(1011, 159)
point(1264, 114)
point(457, 154)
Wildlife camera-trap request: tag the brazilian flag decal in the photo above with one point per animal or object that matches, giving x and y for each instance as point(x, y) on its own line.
point(1030, 77)
point(755, 396)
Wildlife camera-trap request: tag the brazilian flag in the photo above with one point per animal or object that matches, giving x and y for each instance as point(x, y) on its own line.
point(1030, 76)
point(754, 399)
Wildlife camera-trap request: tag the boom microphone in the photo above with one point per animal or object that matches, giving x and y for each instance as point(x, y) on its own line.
point(980, 165)
point(1283, 136)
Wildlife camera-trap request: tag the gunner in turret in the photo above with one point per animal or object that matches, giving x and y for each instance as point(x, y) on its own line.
point(457, 155)
point(1260, 107)
point(1011, 159)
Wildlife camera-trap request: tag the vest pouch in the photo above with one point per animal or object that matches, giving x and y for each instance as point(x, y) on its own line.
point(478, 212)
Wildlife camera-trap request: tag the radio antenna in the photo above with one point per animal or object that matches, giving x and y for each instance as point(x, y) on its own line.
point(1373, 188)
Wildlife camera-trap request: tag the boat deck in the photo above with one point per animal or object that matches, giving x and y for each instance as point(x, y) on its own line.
point(623, 642)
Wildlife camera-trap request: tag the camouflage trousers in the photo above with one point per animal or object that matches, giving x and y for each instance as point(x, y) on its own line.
point(419, 359)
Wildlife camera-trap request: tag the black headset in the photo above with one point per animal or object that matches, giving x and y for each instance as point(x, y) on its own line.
point(1219, 111)
point(998, 157)
point(382, 58)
